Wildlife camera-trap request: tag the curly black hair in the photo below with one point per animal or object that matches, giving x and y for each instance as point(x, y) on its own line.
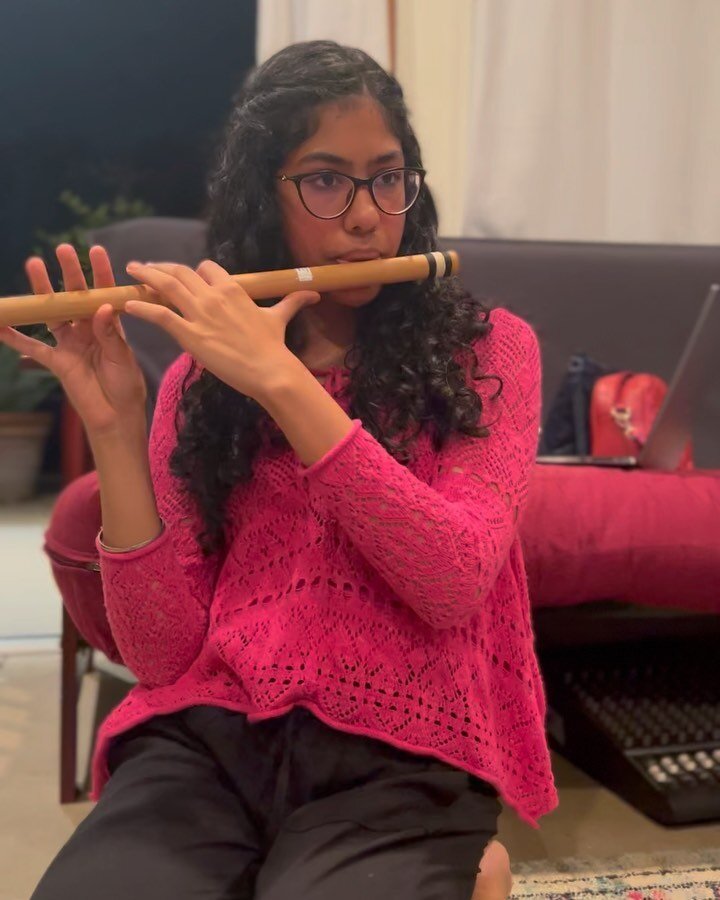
point(403, 354)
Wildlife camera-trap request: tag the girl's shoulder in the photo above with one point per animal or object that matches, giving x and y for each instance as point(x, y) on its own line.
point(511, 342)
point(170, 390)
point(175, 374)
point(510, 327)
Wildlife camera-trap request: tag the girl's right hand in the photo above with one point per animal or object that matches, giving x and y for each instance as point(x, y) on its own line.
point(92, 359)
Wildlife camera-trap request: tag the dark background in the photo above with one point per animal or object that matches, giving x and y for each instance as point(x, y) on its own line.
point(109, 97)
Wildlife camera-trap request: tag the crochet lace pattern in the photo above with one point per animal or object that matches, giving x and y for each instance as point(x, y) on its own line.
point(390, 600)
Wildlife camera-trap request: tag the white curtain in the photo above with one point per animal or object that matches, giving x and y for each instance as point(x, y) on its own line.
point(356, 23)
point(593, 120)
point(434, 48)
point(589, 120)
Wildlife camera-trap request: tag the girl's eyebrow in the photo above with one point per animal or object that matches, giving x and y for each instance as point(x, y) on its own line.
point(319, 156)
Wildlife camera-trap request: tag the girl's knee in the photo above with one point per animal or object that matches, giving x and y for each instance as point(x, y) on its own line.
point(494, 879)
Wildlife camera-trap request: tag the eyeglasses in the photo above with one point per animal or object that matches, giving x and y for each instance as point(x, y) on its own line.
point(328, 194)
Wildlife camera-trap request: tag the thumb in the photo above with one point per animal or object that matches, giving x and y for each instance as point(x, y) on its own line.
point(291, 305)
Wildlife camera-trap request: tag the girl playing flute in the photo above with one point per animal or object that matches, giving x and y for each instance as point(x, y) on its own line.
point(312, 567)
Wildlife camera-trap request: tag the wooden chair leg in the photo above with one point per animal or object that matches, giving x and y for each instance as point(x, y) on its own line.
point(69, 691)
point(75, 460)
point(75, 456)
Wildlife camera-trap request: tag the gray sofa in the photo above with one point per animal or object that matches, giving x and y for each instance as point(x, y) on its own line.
point(628, 306)
point(625, 305)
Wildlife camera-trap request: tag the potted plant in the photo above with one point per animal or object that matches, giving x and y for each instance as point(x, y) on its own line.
point(85, 218)
point(24, 385)
point(23, 429)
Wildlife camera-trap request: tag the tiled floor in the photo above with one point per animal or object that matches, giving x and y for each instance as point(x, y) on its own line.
point(30, 611)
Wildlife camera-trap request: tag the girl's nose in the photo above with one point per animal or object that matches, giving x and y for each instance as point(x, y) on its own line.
point(363, 214)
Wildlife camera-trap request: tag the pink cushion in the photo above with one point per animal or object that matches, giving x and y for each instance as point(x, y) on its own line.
point(592, 533)
point(76, 519)
point(588, 534)
point(71, 533)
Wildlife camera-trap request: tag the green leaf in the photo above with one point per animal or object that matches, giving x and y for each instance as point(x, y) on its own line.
point(25, 389)
point(85, 217)
point(22, 390)
point(9, 365)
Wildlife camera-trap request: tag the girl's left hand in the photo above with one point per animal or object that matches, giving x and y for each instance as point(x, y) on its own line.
point(221, 326)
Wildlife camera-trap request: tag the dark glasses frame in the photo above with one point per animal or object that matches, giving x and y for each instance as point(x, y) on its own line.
point(356, 182)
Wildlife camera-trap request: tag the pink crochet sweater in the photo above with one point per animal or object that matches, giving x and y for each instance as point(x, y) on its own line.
point(391, 601)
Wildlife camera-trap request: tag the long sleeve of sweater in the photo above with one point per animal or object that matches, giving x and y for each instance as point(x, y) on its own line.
point(157, 597)
point(440, 545)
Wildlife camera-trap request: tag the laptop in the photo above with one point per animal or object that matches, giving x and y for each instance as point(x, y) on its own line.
point(671, 429)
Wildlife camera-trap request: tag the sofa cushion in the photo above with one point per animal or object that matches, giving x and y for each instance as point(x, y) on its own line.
point(644, 537)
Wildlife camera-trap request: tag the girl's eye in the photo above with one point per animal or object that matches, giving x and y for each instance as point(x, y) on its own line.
point(324, 180)
point(388, 179)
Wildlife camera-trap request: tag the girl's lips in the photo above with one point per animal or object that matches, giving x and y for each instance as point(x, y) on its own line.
point(342, 260)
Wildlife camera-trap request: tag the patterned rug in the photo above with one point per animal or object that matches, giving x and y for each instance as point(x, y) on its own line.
point(638, 876)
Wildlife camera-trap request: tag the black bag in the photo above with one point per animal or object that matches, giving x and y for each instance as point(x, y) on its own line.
point(566, 431)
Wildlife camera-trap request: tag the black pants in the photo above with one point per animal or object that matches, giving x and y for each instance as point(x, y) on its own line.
point(202, 804)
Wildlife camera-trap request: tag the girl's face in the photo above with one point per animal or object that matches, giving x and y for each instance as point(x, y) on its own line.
point(352, 139)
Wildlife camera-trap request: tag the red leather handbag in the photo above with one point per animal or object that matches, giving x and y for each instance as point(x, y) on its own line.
point(623, 407)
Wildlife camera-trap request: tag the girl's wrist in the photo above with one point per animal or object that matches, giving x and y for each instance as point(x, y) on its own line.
point(132, 428)
point(285, 373)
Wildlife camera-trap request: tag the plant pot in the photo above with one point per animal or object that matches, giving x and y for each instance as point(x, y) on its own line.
point(22, 441)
